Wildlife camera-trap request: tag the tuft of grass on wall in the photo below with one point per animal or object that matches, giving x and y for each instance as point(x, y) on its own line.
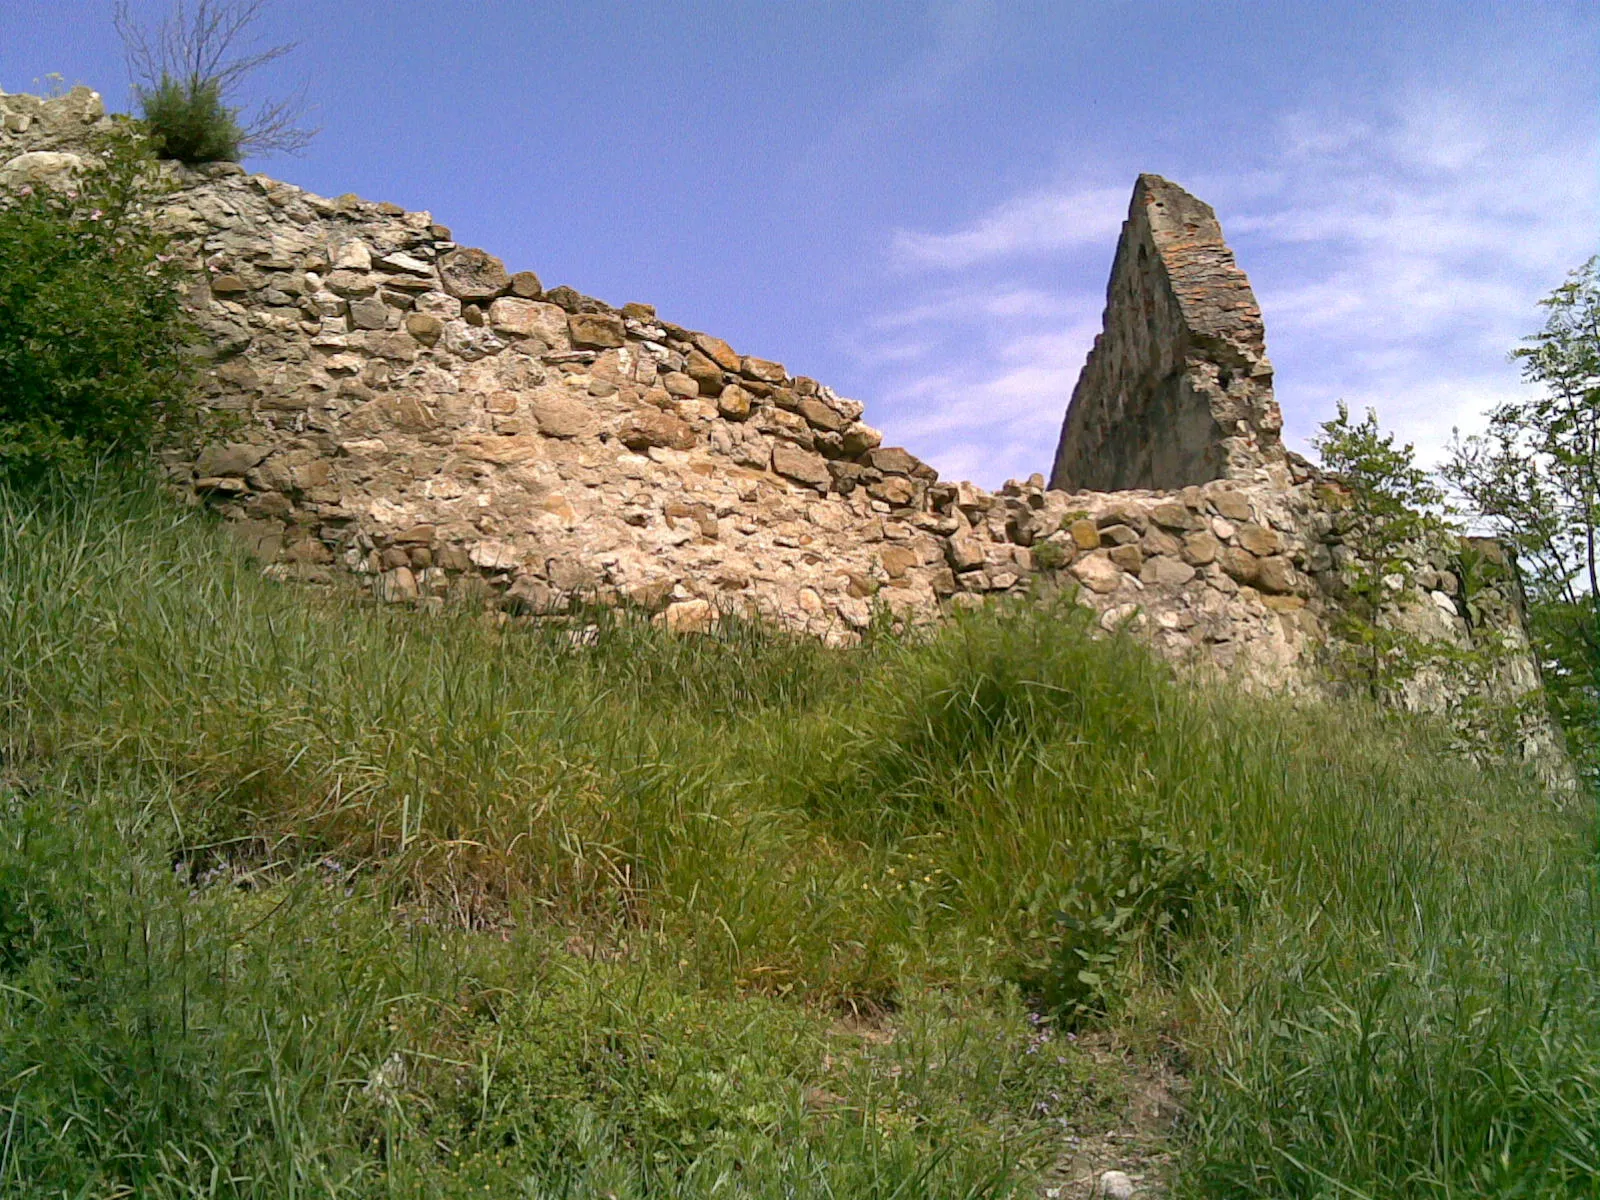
point(187, 120)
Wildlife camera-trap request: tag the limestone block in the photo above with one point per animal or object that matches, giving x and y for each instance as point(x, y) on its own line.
point(596, 330)
point(964, 552)
point(649, 428)
point(1275, 574)
point(1259, 540)
point(893, 489)
point(1165, 571)
point(1174, 516)
point(898, 560)
point(819, 416)
point(560, 415)
point(349, 284)
point(1200, 547)
point(858, 439)
point(229, 459)
point(1158, 541)
point(501, 450)
point(46, 168)
point(891, 460)
point(1130, 558)
point(706, 373)
point(397, 586)
point(1085, 533)
point(799, 465)
point(229, 286)
point(1098, 573)
point(676, 383)
point(438, 304)
point(718, 351)
point(1240, 564)
point(351, 255)
point(689, 616)
point(513, 317)
point(425, 328)
point(369, 313)
point(734, 402)
point(1231, 505)
point(470, 274)
point(763, 369)
point(404, 264)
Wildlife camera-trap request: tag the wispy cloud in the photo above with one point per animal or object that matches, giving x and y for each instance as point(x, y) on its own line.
point(1399, 259)
point(1040, 223)
point(1398, 252)
point(967, 305)
point(960, 35)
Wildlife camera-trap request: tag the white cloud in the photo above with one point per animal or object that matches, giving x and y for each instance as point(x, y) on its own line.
point(1043, 222)
point(981, 305)
point(1399, 264)
point(1399, 254)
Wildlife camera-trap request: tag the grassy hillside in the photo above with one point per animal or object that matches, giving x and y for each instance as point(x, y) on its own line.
point(302, 897)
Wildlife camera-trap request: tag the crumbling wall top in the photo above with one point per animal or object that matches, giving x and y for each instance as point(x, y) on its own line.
point(1177, 389)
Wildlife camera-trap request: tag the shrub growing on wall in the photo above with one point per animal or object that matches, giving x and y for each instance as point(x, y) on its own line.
point(191, 123)
point(187, 72)
point(92, 329)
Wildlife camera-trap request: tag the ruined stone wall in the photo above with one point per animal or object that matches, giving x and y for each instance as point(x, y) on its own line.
point(1177, 389)
point(416, 417)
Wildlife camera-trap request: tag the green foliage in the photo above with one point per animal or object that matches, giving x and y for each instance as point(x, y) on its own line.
point(1534, 477)
point(1048, 556)
point(92, 331)
point(1134, 894)
point(187, 69)
point(1391, 511)
point(189, 122)
point(1393, 519)
point(305, 896)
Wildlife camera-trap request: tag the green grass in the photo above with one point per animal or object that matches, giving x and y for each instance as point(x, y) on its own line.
point(304, 897)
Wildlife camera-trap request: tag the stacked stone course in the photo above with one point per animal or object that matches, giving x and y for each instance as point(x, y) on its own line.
point(417, 416)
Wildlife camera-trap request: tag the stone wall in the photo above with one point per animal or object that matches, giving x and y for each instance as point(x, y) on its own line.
point(1177, 389)
point(416, 416)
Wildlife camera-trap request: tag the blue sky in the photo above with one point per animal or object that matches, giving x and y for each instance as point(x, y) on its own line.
point(918, 202)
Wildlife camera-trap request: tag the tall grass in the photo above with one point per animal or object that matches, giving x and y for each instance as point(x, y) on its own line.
point(302, 896)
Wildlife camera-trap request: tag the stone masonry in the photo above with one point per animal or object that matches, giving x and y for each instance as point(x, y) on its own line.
point(1178, 389)
point(417, 416)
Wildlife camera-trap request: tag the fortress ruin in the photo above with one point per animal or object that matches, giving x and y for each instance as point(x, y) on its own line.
point(421, 419)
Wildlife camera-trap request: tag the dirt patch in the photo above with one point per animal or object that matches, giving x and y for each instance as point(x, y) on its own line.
point(1141, 1144)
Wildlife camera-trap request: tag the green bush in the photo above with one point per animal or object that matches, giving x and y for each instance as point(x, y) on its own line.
point(189, 121)
point(92, 328)
point(1140, 892)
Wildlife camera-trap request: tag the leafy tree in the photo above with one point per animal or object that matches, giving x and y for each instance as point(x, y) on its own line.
point(92, 327)
point(186, 72)
point(1391, 506)
point(1534, 478)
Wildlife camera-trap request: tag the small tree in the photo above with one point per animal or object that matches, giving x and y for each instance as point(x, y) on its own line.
point(1534, 478)
point(186, 72)
point(92, 328)
point(1392, 507)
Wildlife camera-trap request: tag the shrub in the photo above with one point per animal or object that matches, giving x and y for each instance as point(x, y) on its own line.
point(189, 121)
point(1140, 891)
point(92, 328)
point(186, 72)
